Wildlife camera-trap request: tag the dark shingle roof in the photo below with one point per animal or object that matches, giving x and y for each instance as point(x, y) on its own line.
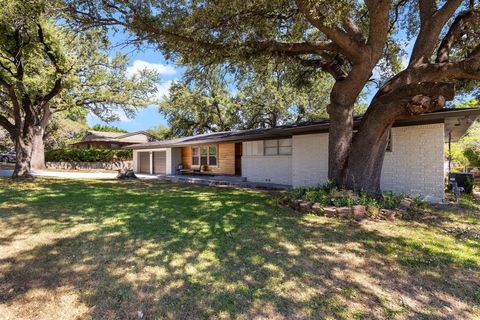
point(289, 130)
point(115, 137)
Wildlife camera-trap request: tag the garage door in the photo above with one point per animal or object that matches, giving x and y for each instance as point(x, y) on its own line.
point(159, 162)
point(144, 162)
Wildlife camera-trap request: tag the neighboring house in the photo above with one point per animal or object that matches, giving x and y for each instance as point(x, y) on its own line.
point(297, 154)
point(112, 140)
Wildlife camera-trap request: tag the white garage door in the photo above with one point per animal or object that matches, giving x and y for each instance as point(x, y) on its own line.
point(159, 162)
point(144, 162)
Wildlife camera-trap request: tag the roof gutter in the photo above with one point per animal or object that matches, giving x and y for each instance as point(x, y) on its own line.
point(289, 131)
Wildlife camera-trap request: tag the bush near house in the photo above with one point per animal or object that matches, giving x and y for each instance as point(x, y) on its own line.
point(87, 155)
point(329, 195)
point(330, 200)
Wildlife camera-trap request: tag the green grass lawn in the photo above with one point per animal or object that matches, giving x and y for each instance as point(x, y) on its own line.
point(152, 250)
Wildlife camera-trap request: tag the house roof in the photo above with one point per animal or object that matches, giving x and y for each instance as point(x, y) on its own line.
point(457, 121)
point(114, 137)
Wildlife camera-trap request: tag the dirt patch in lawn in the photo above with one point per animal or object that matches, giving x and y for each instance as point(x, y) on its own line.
point(146, 249)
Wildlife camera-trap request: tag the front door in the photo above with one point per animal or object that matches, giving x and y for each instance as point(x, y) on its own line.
point(238, 159)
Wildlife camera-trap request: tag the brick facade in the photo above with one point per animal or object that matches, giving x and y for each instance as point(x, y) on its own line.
point(414, 166)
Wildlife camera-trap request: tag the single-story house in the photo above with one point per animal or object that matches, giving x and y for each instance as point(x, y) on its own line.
point(297, 154)
point(112, 140)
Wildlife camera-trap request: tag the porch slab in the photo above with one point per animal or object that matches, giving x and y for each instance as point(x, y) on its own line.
point(234, 181)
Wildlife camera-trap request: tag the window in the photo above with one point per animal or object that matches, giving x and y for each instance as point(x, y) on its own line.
point(285, 146)
point(205, 155)
point(278, 147)
point(271, 147)
point(212, 155)
point(195, 158)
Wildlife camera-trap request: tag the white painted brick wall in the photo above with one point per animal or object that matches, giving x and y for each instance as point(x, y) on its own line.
point(259, 168)
point(415, 166)
point(310, 159)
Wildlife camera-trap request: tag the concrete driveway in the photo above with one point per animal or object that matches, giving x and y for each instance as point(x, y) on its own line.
point(75, 174)
point(67, 174)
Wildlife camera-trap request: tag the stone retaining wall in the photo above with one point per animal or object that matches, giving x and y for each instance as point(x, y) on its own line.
point(115, 165)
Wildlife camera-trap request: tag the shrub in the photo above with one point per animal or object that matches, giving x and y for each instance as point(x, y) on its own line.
point(329, 195)
point(468, 185)
point(87, 155)
point(390, 200)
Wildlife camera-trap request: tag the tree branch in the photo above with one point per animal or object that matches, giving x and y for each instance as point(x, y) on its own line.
point(7, 125)
point(456, 31)
point(58, 70)
point(468, 69)
point(432, 22)
point(346, 43)
point(378, 27)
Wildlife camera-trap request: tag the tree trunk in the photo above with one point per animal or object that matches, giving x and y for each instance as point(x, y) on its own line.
point(364, 167)
point(365, 159)
point(339, 141)
point(38, 149)
point(23, 149)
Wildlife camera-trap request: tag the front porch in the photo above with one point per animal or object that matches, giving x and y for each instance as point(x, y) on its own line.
point(223, 180)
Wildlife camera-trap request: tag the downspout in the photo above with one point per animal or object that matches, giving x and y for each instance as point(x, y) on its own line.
point(449, 153)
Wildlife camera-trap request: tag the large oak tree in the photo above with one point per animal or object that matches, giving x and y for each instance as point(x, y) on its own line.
point(351, 40)
point(46, 67)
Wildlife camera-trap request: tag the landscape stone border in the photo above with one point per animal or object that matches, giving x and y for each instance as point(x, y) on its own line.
point(356, 212)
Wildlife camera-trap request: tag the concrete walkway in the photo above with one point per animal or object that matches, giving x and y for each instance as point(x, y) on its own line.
point(76, 174)
point(67, 174)
point(203, 180)
point(232, 181)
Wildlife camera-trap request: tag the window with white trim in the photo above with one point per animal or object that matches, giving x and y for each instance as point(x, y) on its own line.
point(277, 147)
point(195, 156)
point(205, 155)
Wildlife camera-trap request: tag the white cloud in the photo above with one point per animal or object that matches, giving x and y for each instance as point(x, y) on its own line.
point(163, 89)
point(139, 65)
point(122, 117)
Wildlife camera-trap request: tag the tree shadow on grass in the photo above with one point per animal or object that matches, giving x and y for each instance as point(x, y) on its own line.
point(187, 252)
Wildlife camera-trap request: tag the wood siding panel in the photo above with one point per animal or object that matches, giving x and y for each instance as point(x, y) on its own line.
point(187, 157)
point(226, 159)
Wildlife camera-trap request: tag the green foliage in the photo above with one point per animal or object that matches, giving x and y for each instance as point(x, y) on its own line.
point(476, 297)
point(161, 132)
point(468, 185)
point(329, 195)
point(108, 128)
point(64, 128)
point(466, 152)
point(44, 62)
point(87, 155)
point(390, 200)
point(265, 97)
point(6, 143)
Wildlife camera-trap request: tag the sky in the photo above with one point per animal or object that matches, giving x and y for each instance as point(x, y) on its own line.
point(147, 58)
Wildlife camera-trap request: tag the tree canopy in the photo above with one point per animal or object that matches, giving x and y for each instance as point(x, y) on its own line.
point(213, 99)
point(108, 128)
point(47, 67)
point(466, 152)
